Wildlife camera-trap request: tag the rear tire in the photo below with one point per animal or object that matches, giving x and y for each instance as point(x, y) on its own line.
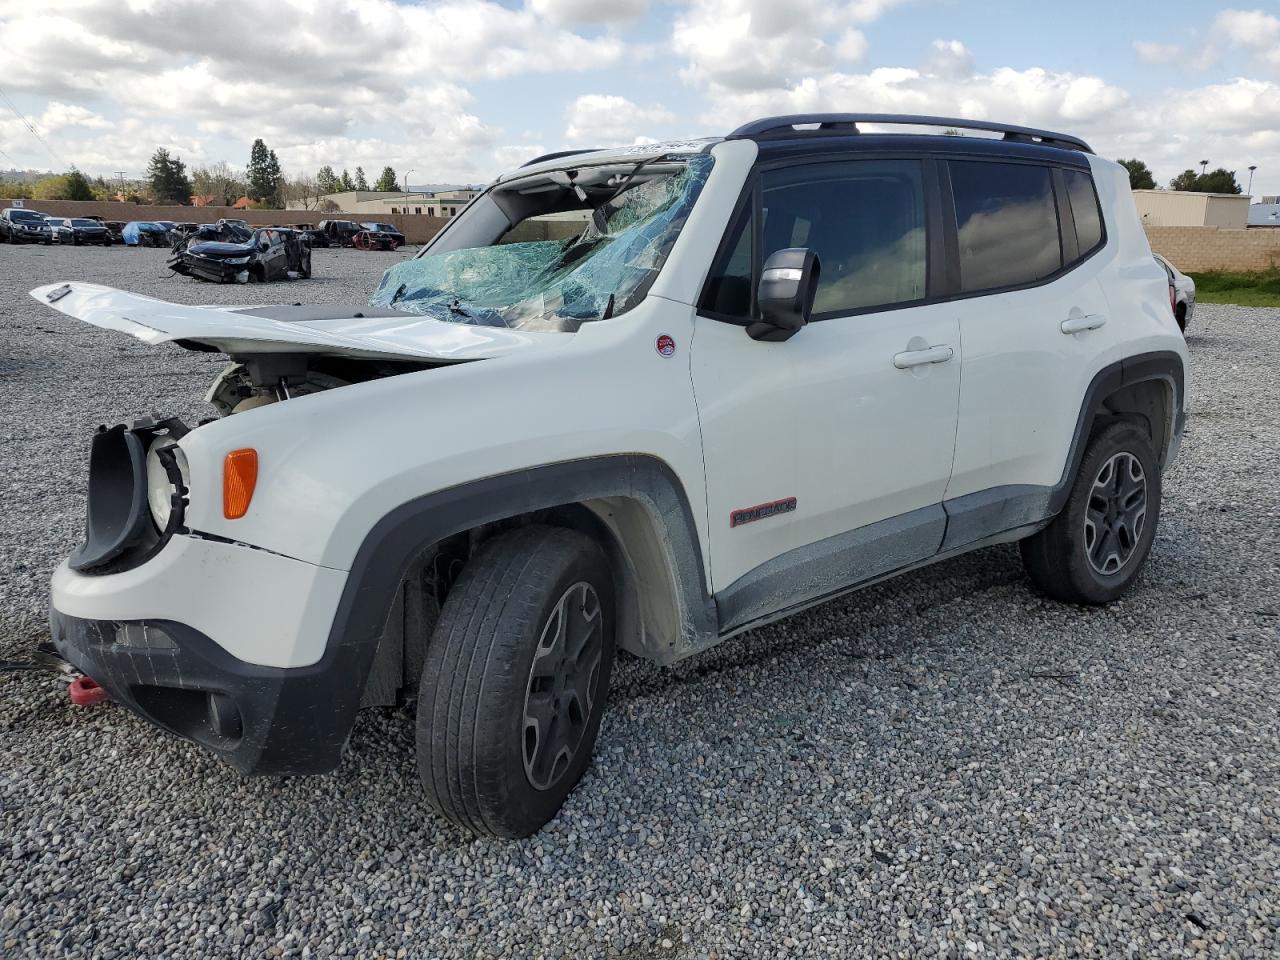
point(1095, 547)
point(515, 681)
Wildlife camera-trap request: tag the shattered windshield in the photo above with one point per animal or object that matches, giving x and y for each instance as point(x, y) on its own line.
point(585, 245)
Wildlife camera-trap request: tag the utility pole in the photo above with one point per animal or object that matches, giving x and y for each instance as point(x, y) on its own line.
point(406, 185)
point(120, 177)
point(1252, 167)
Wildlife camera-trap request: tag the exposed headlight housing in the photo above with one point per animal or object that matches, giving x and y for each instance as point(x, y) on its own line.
point(236, 261)
point(167, 476)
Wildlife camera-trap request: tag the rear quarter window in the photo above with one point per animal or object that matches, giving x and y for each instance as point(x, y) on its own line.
point(1084, 210)
point(1006, 224)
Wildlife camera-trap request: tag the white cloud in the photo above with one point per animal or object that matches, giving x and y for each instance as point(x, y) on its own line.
point(590, 11)
point(510, 156)
point(1151, 52)
point(1253, 33)
point(296, 72)
point(604, 121)
point(750, 45)
point(949, 58)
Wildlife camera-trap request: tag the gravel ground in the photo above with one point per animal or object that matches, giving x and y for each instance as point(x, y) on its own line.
point(946, 765)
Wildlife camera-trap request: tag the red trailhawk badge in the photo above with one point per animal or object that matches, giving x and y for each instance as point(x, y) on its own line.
point(665, 345)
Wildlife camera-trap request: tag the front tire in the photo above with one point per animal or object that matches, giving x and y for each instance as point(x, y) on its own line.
point(1095, 548)
point(515, 681)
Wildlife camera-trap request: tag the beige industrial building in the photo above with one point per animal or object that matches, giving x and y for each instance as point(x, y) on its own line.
point(1184, 208)
point(368, 203)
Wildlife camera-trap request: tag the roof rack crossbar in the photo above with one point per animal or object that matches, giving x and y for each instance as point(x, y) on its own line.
point(558, 154)
point(848, 122)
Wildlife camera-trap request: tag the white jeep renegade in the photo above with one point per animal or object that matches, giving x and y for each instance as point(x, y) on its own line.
point(642, 399)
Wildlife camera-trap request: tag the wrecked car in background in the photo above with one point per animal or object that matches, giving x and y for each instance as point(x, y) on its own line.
point(339, 232)
point(386, 230)
point(143, 233)
point(315, 236)
point(228, 253)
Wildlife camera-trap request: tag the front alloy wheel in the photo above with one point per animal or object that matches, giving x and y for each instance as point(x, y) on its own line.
point(562, 682)
point(515, 680)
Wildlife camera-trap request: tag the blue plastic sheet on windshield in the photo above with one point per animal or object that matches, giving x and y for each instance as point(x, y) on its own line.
point(552, 284)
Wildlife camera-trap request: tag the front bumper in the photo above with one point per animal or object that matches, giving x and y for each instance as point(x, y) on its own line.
point(261, 720)
point(217, 271)
point(245, 666)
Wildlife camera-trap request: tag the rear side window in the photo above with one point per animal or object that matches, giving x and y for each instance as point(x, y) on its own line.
point(1007, 224)
point(1084, 210)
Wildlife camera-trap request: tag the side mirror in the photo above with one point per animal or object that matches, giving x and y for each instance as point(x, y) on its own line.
point(788, 285)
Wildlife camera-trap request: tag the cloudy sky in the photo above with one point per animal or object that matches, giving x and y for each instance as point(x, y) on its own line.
point(458, 90)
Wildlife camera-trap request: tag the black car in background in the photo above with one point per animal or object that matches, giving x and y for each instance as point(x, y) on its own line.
point(341, 233)
point(78, 230)
point(19, 225)
point(316, 236)
point(386, 230)
point(268, 253)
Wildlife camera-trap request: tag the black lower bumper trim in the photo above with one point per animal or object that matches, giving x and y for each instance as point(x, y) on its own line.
point(261, 720)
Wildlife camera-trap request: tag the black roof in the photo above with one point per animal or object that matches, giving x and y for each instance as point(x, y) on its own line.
point(897, 144)
point(810, 134)
point(847, 123)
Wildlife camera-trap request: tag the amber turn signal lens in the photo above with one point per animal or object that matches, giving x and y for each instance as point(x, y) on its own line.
point(239, 475)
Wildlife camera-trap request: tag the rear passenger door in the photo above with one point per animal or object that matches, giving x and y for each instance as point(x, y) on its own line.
point(1029, 241)
point(827, 455)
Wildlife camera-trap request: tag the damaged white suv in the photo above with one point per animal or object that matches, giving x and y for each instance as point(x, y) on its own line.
point(641, 399)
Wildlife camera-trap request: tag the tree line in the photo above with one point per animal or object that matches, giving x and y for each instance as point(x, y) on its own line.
point(1220, 180)
point(167, 181)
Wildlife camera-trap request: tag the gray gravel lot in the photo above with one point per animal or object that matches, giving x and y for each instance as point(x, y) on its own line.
point(946, 765)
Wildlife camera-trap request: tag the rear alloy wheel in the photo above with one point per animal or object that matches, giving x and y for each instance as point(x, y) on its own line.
point(1116, 514)
point(1095, 547)
point(515, 680)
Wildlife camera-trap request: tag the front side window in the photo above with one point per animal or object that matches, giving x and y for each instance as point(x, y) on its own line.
point(865, 220)
point(1006, 222)
point(553, 250)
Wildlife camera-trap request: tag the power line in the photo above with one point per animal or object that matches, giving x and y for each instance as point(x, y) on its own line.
point(34, 132)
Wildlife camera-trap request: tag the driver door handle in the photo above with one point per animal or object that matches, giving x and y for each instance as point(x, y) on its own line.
point(1090, 321)
point(917, 358)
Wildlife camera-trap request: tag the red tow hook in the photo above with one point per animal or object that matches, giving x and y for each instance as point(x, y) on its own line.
point(85, 692)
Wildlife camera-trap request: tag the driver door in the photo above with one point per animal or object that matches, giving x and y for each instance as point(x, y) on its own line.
point(827, 455)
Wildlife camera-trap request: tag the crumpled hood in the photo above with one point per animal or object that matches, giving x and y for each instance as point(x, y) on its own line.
point(216, 248)
point(353, 330)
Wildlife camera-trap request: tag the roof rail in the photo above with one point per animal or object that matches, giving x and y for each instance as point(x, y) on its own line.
point(558, 154)
point(848, 123)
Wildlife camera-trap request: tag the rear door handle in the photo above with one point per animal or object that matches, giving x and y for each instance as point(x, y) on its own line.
point(918, 358)
point(1091, 321)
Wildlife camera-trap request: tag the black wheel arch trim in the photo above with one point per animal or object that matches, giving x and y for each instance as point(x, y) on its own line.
point(404, 532)
point(1165, 365)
